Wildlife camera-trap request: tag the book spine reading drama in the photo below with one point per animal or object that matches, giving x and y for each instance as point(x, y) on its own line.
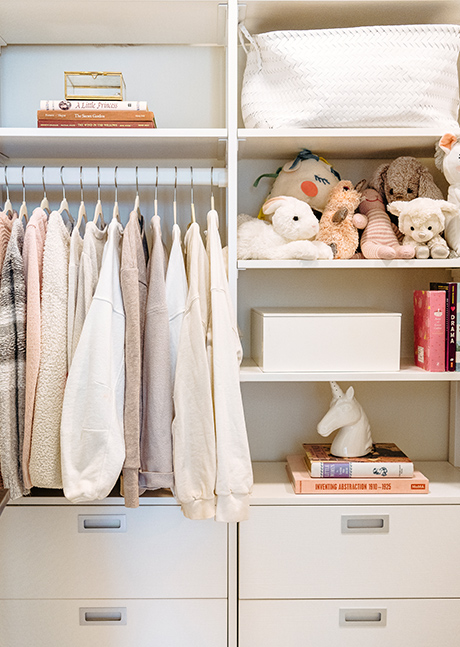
point(450, 290)
point(303, 483)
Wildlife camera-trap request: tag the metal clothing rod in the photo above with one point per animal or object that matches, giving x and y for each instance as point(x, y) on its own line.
point(70, 176)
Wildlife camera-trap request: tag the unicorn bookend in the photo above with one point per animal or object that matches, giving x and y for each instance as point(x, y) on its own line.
point(345, 412)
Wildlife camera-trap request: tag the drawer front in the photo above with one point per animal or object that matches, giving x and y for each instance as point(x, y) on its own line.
point(118, 623)
point(350, 551)
point(110, 552)
point(349, 623)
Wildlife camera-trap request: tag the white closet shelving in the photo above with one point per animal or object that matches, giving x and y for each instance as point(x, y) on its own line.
point(184, 58)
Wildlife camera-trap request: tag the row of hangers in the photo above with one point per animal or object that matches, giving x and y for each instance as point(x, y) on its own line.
point(98, 213)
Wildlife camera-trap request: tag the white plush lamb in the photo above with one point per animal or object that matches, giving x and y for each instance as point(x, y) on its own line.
point(290, 235)
point(422, 221)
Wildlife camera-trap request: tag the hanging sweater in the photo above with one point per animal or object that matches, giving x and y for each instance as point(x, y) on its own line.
point(92, 437)
point(234, 470)
point(133, 278)
point(45, 455)
point(12, 362)
point(193, 425)
point(6, 226)
point(76, 248)
point(34, 244)
point(156, 436)
point(88, 275)
point(176, 295)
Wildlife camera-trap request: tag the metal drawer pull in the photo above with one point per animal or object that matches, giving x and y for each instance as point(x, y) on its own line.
point(362, 617)
point(365, 523)
point(103, 616)
point(101, 523)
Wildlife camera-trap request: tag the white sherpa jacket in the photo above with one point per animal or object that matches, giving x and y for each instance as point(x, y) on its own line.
point(92, 437)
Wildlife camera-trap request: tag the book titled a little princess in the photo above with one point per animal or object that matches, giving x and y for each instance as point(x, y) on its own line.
point(384, 460)
point(303, 483)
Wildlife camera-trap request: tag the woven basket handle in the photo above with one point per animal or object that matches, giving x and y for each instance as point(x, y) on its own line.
point(243, 33)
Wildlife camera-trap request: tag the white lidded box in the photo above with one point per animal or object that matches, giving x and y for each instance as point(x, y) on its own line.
point(325, 339)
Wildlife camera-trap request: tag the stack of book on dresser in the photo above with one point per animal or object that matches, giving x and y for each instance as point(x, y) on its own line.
point(385, 470)
point(94, 114)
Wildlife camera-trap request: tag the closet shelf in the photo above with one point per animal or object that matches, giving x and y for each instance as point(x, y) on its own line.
point(272, 487)
point(338, 143)
point(134, 22)
point(352, 264)
point(267, 15)
point(96, 143)
point(250, 372)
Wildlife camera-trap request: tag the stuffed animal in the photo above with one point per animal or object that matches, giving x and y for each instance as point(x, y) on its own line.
point(308, 178)
point(338, 226)
point(290, 235)
point(422, 221)
point(379, 239)
point(447, 160)
point(404, 179)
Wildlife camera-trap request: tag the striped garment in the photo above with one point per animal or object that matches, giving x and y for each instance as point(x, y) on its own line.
point(12, 362)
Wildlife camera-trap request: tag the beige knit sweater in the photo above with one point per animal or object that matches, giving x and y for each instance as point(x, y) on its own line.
point(34, 244)
point(45, 458)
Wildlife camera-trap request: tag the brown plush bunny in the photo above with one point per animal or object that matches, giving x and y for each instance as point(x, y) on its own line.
point(404, 179)
point(339, 222)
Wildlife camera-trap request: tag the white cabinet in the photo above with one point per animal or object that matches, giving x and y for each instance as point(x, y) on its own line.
point(301, 578)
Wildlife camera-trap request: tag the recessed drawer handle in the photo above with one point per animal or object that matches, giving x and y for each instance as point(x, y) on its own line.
point(362, 617)
point(365, 523)
point(101, 523)
point(103, 616)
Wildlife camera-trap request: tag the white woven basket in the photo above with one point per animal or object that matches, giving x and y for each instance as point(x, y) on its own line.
point(384, 76)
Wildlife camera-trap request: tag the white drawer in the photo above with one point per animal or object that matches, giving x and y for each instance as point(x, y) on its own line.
point(311, 552)
point(118, 623)
point(110, 552)
point(349, 623)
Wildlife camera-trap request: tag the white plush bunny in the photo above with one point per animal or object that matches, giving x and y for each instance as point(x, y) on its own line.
point(290, 235)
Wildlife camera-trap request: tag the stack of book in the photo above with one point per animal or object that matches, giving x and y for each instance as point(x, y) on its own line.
point(385, 470)
point(95, 114)
point(437, 328)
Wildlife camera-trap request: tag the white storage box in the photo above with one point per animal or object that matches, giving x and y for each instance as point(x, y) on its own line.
point(326, 339)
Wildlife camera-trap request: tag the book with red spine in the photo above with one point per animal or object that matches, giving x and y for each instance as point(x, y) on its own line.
point(384, 460)
point(430, 330)
point(304, 483)
point(49, 123)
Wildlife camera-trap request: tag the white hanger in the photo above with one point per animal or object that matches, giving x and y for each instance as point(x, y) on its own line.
point(8, 208)
point(23, 210)
point(81, 209)
point(155, 200)
point(64, 206)
point(98, 210)
point(116, 210)
point(137, 199)
point(175, 196)
point(192, 205)
point(212, 189)
point(44, 204)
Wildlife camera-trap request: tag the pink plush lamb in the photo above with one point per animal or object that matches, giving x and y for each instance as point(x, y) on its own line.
point(379, 239)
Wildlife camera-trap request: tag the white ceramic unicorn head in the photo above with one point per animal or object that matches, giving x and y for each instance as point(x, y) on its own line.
point(345, 412)
point(447, 159)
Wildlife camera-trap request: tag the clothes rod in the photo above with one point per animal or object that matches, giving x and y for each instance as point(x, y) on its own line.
point(32, 176)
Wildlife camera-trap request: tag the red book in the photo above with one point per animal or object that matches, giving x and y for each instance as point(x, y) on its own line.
point(430, 330)
point(303, 483)
point(49, 123)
